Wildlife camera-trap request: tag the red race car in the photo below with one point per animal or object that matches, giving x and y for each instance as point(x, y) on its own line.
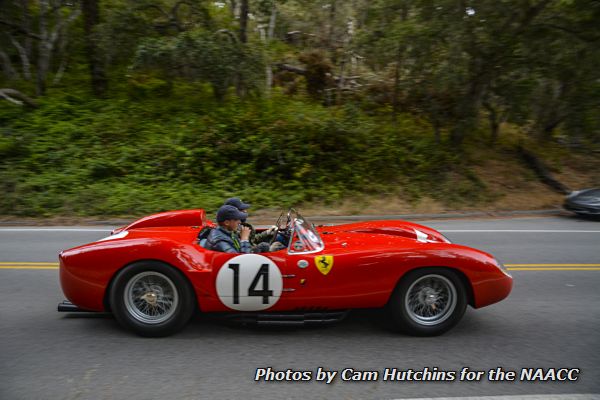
point(155, 273)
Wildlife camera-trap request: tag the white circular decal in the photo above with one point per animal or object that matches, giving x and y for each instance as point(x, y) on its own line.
point(312, 237)
point(249, 282)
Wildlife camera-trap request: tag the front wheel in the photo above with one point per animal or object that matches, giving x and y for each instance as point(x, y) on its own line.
point(428, 302)
point(152, 299)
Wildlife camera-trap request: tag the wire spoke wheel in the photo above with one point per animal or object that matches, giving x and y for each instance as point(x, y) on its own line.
point(151, 297)
point(430, 300)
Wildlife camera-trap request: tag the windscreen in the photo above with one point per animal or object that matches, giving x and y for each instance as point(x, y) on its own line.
point(305, 238)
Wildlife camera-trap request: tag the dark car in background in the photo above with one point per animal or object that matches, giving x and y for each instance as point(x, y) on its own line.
point(584, 202)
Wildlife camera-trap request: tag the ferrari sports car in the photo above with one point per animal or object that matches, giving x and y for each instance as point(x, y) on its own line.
point(154, 274)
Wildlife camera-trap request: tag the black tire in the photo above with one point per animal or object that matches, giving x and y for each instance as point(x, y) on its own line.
point(428, 302)
point(152, 299)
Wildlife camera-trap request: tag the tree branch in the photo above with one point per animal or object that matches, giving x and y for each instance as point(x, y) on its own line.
point(291, 68)
point(18, 29)
point(542, 171)
point(303, 72)
point(16, 97)
point(63, 23)
point(578, 35)
point(23, 55)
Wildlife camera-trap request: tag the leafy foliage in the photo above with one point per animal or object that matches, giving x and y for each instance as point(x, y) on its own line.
point(305, 100)
point(215, 58)
point(97, 157)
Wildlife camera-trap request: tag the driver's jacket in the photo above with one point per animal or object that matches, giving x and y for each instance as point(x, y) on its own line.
point(220, 239)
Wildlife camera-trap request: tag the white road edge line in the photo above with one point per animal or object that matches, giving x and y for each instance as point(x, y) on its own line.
point(53, 230)
point(518, 397)
point(440, 230)
point(514, 231)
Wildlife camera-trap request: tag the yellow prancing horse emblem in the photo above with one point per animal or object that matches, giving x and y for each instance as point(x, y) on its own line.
point(324, 264)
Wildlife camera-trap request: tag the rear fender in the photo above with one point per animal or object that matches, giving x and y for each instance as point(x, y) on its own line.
point(106, 299)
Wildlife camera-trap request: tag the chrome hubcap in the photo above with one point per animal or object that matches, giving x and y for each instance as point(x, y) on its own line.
point(151, 297)
point(430, 300)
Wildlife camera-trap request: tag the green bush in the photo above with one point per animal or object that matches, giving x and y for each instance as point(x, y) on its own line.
point(84, 156)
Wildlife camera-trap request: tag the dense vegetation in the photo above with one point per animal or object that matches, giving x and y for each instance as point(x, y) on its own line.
point(121, 107)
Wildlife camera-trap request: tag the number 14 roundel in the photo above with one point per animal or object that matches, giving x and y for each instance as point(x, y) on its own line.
point(249, 282)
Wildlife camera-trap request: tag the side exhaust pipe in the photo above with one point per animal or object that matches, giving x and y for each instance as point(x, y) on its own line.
point(67, 306)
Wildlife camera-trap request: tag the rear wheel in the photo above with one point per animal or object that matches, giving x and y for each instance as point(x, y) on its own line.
point(428, 302)
point(152, 299)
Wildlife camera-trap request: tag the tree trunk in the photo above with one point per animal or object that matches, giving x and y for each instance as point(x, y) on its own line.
point(437, 131)
point(272, 20)
point(91, 18)
point(44, 50)
point(63, 61)
point(396, 93)
point(269, 37)
point(340, 83)
point(25, 64)
point(7, 67)
point(27, 26)
point(468, 108)
point(549, 127)
point(551, 110)
point(493, 119)
point(244, 10)
point(331, 33)
point(233, 6)
point(542, 171)
point(240, 87)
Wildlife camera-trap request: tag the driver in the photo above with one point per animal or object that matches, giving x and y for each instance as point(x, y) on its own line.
point(255, 238)
point(225, 237)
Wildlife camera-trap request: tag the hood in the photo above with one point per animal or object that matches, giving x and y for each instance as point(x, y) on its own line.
point(387, 230)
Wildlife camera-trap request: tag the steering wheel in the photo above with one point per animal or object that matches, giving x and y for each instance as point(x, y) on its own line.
point(286, 230)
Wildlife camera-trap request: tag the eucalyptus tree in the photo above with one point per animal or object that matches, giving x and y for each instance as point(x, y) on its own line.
point(91, 19)
point(564, 49)
point(43, 23)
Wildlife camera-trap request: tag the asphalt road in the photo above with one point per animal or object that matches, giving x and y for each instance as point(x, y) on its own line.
point(551, 320)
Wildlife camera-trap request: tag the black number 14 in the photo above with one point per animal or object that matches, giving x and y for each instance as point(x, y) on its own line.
point(262, 274)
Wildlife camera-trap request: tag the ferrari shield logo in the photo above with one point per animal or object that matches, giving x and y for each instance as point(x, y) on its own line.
point(324, 264)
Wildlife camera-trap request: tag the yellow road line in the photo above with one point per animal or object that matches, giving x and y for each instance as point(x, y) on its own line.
point(26, 263)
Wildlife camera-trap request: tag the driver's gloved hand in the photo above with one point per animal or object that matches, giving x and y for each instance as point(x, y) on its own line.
point(262, 247)
point(276, 246)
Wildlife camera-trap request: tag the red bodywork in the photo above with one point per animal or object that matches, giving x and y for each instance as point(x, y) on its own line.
point(369, 259)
